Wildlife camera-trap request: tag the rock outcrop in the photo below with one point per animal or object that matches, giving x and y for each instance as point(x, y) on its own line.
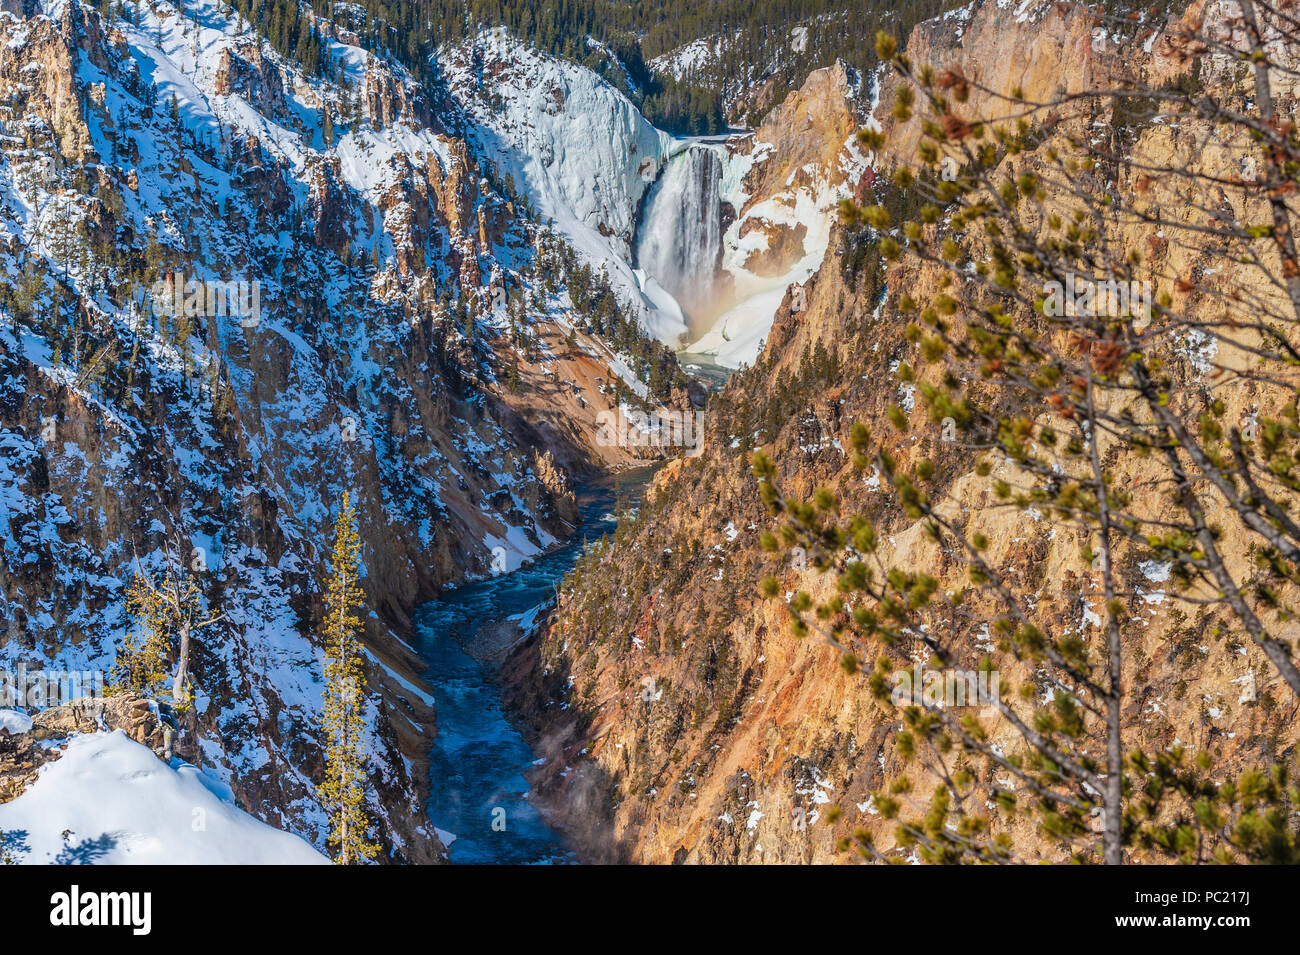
point(679, 718)
point(373, 362)
point(804, 145)
point(23, 754)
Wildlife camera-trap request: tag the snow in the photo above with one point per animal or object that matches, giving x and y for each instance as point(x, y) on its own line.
point(368, 158)
point(15, 722)
point(660, 298)
point(576, 146)
point(736, 336)
point(1155, 570)
point(516, 546)
point(687, 59)
point(121, 805)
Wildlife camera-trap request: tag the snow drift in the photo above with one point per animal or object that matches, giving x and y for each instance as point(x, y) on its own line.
point(109, 800)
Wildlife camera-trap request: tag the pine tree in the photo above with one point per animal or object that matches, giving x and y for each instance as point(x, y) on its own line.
point(168, 614)
point(344, 789)
point(141, 665)
point(1064, 403)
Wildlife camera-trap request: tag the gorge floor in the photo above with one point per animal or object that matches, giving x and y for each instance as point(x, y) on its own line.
point(478, 758)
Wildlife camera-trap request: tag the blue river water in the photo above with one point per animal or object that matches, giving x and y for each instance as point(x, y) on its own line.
point(478, 759)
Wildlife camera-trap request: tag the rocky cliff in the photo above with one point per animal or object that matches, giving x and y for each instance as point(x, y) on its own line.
point(681, 720)
point(782, 185)
point(232, 292)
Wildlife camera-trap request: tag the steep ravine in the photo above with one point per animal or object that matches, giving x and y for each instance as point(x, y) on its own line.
point(478, 798)
point(677, 717)
point(399, 290)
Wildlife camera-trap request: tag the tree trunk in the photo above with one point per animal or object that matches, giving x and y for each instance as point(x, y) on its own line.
point(1112, 838)
point(182, 666)
point(1112, 798)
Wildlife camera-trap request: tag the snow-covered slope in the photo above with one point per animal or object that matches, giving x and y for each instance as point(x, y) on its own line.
point(689, 59)
point(108, 800)
point(576, 147)
point(190, 148)
point(163, 139)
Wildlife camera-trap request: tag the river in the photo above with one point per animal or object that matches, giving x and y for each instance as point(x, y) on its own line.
point(477, 762)
point(704, 369)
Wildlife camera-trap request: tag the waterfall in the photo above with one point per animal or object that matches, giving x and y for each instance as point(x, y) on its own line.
point(680, 236)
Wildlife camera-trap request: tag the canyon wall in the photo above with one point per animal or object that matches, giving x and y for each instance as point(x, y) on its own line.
point(679, 718)
point(398, 292)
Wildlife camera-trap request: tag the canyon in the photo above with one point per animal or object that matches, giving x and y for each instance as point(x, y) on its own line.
point(421, 341)
point(695, 726)
point(466, 266)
